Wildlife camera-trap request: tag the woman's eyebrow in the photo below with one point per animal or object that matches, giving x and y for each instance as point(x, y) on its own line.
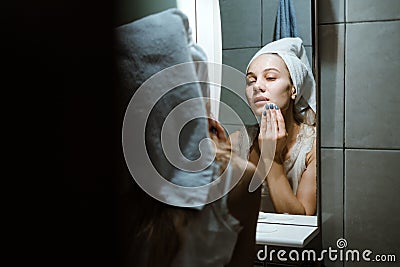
point(265, 70)
point(249, 73)
point(268, 69)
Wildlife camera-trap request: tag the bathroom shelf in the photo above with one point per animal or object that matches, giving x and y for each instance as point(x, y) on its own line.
point(285, 230)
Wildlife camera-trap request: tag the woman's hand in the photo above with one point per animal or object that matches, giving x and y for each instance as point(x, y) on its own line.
point(273, 135)
point(216, 131)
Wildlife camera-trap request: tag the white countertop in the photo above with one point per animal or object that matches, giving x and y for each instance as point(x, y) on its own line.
point(287, 219)
point(285, 230)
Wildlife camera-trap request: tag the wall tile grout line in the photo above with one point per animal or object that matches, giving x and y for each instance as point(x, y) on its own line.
point(356, 22)
point(372, 21)
point(373, 149)
point(362, 148)
point(344, 124)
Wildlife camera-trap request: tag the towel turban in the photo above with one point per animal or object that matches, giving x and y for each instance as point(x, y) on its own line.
point(293, 53)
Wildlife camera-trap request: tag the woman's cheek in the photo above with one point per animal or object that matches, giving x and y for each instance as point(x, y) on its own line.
point(248, 94)
point(249, 97)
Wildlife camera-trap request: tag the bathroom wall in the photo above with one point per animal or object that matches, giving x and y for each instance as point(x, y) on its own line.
point(359, 62)
point(246, 27)
point(359, 58)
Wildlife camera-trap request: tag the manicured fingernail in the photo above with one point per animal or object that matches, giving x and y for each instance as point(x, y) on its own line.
point(271, 106)
point(266, 106)
point(276, 107)
point(265, 113)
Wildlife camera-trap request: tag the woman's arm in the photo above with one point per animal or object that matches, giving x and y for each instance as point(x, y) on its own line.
point(244, 206)
point(283, 198)
point(307, 189)
point(272, 140)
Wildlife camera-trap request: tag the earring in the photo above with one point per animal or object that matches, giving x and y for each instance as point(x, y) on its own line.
point(294, 93)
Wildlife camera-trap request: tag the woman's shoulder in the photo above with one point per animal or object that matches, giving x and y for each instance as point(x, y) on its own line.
point(309, 131)
point(312, 153)
point(307, 141)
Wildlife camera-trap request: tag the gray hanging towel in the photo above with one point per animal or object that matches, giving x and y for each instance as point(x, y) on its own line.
point(285, 25)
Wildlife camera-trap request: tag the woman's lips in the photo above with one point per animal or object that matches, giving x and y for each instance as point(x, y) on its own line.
point(260, 100)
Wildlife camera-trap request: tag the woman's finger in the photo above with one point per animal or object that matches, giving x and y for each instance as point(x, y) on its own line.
point(281, 123)
point(269, 125)
point(263, 124)
point(221, 134)
point(267, 145)
point(274, 122)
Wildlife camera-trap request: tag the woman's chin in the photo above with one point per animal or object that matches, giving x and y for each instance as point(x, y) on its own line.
point(258, 112)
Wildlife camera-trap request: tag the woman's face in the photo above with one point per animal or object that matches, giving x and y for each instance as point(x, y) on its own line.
point(268, 81)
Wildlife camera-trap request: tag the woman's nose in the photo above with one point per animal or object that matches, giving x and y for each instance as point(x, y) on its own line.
point(259, 87)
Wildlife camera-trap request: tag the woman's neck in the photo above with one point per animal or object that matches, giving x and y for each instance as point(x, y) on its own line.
point(292, 127)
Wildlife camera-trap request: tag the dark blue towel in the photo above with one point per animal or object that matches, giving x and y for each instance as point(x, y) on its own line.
point(286, 25)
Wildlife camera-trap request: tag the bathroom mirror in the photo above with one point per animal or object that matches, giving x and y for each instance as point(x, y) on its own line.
point(231, 32)
point(243, 28)
point(246, 27)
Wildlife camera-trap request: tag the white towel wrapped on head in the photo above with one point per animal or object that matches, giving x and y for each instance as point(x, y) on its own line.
point(293, 53)
point(144, 48)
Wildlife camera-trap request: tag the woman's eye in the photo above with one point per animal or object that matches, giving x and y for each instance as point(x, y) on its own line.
point(250, 81)
point(271, 78)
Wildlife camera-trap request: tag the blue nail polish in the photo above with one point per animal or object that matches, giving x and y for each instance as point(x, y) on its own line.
point(276, 107)
point(271, 106)
point(266, 106)
point(214, 130)
point(265, 113)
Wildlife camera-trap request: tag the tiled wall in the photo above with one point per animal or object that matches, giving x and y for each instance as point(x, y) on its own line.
point(359, 44)
point(359, 56)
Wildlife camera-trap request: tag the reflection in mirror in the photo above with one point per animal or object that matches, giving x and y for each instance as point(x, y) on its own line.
point(281, 92)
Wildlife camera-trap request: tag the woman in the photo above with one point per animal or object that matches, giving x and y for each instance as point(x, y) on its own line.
point(280, 89)
point(220, 234)
point(155, 231)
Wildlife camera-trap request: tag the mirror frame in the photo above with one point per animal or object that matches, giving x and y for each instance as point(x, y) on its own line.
point(316, 71)
point(301, 219)
point(303, 229)
point(187, 7)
